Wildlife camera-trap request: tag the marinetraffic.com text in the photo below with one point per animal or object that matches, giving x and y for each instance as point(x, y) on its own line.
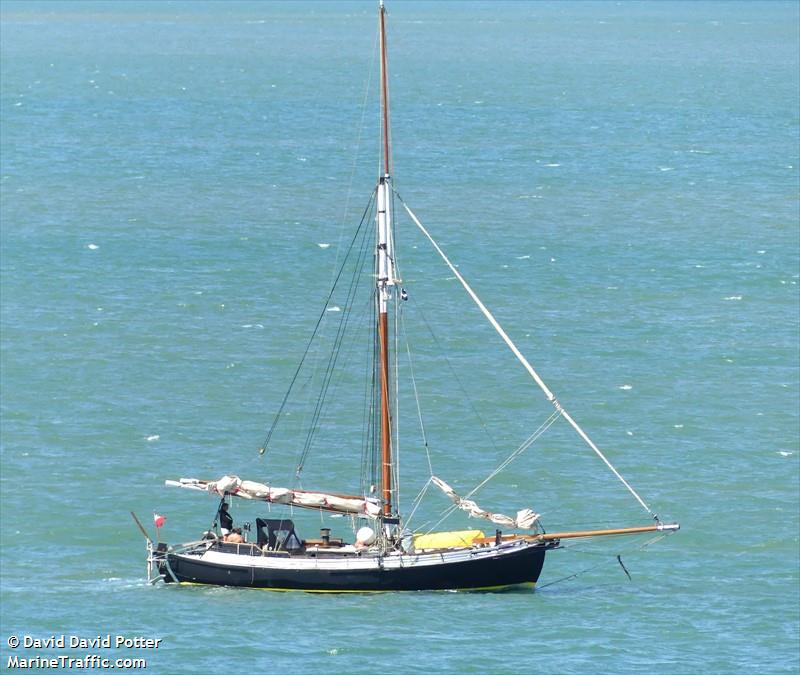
point(28, 645)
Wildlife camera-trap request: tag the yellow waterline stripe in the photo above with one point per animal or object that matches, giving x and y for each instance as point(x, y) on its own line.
point(524, 584)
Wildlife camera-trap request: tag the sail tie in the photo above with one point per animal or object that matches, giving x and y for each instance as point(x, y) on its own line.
point(520, 357)
point(525, 519)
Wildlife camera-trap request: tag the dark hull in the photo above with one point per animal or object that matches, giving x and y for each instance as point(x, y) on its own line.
point(519, 567)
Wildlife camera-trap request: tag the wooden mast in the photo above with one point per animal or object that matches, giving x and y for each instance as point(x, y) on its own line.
point(386, 431)
point(384, 93)
point(385, 280)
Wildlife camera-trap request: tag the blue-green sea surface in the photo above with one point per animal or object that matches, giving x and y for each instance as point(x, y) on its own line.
point(618, 182)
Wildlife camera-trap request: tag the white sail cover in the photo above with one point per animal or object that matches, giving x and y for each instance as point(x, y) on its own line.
point(525, 519)
point(248, 489)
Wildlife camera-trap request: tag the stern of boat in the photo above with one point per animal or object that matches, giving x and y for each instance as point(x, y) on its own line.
point(157, 565)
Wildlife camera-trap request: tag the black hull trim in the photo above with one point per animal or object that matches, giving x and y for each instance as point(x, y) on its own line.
point(511, 569)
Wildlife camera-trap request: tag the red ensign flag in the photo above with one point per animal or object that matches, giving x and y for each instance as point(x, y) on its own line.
point(159, 520)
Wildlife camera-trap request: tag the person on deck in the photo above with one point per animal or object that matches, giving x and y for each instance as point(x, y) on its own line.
point(225, 518)
point(235, 537)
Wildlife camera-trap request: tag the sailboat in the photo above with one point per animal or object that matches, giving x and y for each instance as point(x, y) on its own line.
point(379, 551)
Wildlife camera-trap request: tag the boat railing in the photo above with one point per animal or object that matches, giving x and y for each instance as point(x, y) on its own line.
point(240, 548)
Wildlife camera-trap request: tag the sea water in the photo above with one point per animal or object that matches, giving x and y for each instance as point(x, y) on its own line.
point(618, 182)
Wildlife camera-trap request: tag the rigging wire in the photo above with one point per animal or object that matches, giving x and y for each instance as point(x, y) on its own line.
point(454, 372)
point(370, 466)
point(354, 166)
point(416, 396)
point(521, 358)
point(544, 426)
point(522, 448)
point(336, 350)
point(265, 444)
point(615, 556)
point(417, 501)
point(368, 476)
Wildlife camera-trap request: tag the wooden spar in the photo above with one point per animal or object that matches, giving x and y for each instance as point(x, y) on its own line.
point(554, 536)
point(386, 433)
point(385, 278)
point(384, 94)
point(141, 527)
point(551, 536)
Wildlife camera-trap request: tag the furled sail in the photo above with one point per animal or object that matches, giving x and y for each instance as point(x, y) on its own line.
point(248, 489)
point(524, 520)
